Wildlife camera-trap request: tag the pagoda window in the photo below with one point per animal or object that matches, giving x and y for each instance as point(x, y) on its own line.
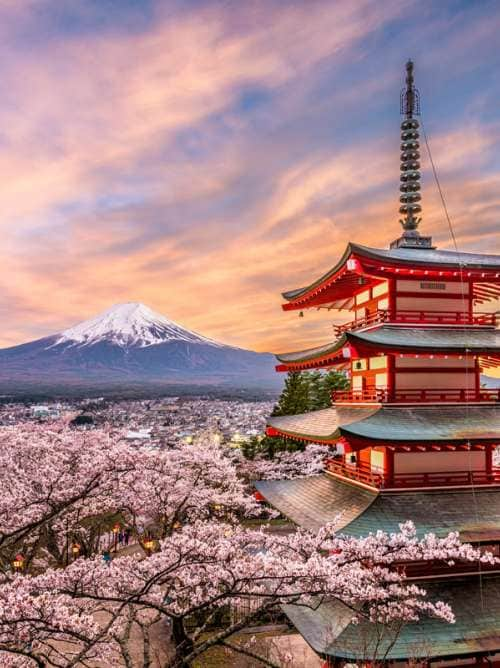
point(357, 383)
point(433, 287)
point(380, 289)
point(360, 365)
point(377, 461)
point(383, 304)
point(363, 297)
point(378, 362)
point(380, 380)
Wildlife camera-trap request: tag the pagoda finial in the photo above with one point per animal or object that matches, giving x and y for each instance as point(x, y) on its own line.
point(410, 97)
point(410, 176)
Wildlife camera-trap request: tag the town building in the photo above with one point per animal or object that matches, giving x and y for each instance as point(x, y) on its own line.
point(415, 433)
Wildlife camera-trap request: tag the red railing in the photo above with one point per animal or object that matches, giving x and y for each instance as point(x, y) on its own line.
point(445, 478)
point(446, 318)
point(357, 472)
point(359, 323)
point(415, 396)
point(362, 396)
point(419, 317)
point(362, 473)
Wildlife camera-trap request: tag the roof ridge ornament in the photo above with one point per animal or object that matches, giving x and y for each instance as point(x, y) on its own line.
point(410, 175)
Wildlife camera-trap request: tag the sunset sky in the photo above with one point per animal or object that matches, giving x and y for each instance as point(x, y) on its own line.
point(201, 157)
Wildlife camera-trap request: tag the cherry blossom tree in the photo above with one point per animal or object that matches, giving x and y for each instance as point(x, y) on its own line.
point(205, 562)
point(61, 485)
point(286, 465)
point(198, 573)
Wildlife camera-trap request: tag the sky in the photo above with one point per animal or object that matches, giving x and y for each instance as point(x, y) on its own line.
point(202, 157)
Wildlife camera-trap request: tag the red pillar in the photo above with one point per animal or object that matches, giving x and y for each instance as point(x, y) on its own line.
point(392, 298)
point(488, 453)
point(391, 377)
point(477, 377)
point(389, 466)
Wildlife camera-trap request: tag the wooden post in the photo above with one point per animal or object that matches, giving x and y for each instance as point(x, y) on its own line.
point(389, 466)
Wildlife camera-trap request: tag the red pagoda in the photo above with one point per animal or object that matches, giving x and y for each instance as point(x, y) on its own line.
point(415, 434)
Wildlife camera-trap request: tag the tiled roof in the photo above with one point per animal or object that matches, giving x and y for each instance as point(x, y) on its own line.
point(430, 256)
point(429, 423)
point(323, 424)
point(314, 501)
point(431, 338)
point(312, 353)
point(475, 603)
point(395, 423)
point(444, 339)
point(408, 256)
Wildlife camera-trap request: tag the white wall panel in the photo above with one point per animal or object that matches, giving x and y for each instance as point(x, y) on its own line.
point(427, 462)
point(408, 380)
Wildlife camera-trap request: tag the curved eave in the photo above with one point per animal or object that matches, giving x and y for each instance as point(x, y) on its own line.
point(337, 286)
point(300, 293)
point(416, 424)
point(329, 630)
point(394, 339)
point(441, 260)
point(448, 340)
point(311, 358)
point(449, 424)
point(321, 426)
point(374, 264)
point(313, 501)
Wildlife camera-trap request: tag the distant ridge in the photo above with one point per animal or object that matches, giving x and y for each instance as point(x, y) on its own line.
point(129, 345)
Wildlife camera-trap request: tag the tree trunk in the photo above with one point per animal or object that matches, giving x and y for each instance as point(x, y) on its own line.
point(183, 644)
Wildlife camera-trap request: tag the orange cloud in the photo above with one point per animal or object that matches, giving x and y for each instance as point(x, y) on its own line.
point(130, 172)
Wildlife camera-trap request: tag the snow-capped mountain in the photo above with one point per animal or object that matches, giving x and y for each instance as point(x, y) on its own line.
point(130, 324)
point(130, 345)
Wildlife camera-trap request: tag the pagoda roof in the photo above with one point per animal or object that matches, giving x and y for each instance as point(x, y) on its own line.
point(402, 338)
point(476, 604)
point(373, 259)
point(416, 423)
point(323, 425)
point(317, 500)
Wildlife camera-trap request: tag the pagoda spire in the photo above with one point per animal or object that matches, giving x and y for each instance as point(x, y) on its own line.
point(410, 196)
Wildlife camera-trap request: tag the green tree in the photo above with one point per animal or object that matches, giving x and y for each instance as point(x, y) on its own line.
point(251, 447)
point(322, 386)
point(303, 391)
point(296, 395)
point(295, 398)
point(270, 445)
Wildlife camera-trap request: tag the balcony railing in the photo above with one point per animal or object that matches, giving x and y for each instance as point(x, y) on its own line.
point(415, 396)
point(362, 473)
point(419, 317)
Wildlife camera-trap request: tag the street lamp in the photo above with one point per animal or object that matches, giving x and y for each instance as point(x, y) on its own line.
point(116, 530)
point(75, 549)
point(18, 563)
point(149, 545)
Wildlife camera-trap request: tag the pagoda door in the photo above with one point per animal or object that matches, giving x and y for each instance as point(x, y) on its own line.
point(369, 385)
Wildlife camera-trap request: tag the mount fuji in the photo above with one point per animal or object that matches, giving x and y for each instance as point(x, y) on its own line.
point(125, 349)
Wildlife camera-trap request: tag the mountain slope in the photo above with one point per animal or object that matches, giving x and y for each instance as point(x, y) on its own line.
point(130, 343)
point(130, 324)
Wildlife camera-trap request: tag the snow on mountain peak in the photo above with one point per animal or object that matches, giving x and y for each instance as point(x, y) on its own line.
point(129, 324)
